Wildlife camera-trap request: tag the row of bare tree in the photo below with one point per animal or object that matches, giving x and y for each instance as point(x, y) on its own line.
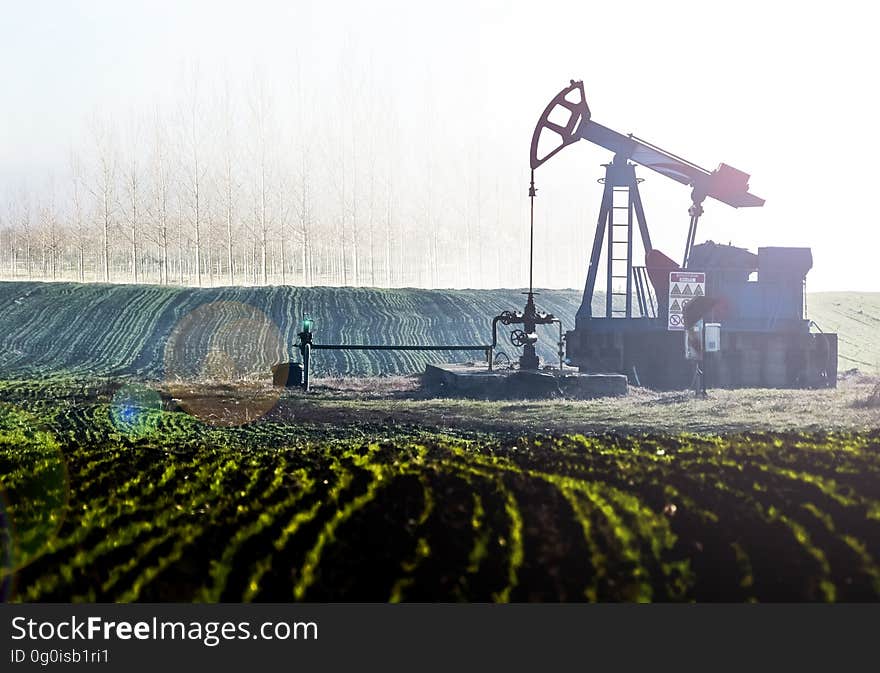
point(238, 185)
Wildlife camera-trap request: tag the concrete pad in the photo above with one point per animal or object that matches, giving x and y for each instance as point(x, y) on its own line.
point(461, 380)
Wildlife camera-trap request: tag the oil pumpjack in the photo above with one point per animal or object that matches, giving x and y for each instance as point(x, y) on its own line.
point(766, 336)
point(643, 334)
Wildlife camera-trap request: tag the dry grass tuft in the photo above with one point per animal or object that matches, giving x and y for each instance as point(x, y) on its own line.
point(873, 401)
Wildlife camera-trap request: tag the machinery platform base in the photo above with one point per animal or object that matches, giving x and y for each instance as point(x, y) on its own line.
point(654, 358)
point(461, 380)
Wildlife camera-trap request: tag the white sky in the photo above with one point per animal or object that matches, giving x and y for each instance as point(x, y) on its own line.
point(784, 91)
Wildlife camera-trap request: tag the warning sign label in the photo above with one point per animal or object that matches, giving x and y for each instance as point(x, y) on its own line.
point(683, 286)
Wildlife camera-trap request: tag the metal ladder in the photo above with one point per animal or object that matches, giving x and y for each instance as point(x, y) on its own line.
point(620, 223)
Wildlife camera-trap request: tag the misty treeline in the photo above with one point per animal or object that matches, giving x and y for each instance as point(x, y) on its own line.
point(251, 182)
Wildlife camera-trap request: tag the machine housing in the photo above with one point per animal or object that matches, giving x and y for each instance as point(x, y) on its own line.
point(766, 340)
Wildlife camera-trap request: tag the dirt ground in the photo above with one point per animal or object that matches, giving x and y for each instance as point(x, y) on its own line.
point(853, 406)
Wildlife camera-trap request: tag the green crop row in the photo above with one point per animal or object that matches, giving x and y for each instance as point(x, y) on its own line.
point(163, 332)
point(109, 502)
point(169, 332)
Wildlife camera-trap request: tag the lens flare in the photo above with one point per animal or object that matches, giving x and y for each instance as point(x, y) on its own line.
point(135, 410)
point(218, 360)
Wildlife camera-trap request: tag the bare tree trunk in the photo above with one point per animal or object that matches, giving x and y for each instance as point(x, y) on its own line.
point(264, 228)
point(308, 260)
point(160, 196)
point(305, 224)
point(105, 240)
point(79, 227)
point(14, 242)
point(342, 208)
point(133, 186)
point(284, 223)
point(195, 170)
point(389, 232)
point(372, 219)
point(497, 225)
point(163, 255)
point(104, 190)
point(230, 257)
point(210, 258)
point(180, 248)
point(261, 107)
point(390, 239)
point(478, 221)
point(355, 238)
point(198, 259)
point(197, 217)
point(49, 238)
point(254, 260)
point(134, 255)
point(283, 261)
point(304, 261)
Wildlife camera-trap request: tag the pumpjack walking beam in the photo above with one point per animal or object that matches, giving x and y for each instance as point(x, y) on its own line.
point(725, 183)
